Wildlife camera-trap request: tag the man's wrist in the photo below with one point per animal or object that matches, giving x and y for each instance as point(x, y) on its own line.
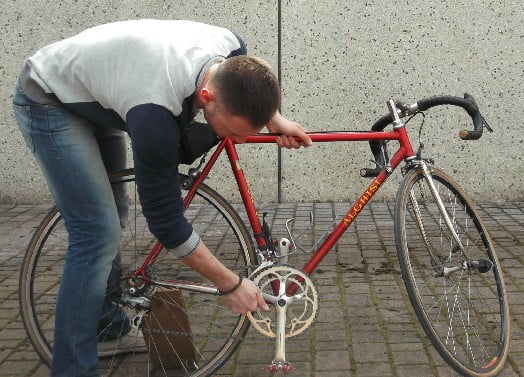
point(232, 289)
point(227, 280)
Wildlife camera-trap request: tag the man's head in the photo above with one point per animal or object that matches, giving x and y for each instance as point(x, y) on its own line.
point(240, 97)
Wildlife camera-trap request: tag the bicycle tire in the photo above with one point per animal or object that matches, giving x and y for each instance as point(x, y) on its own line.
point(464, 312)
point(215, 331)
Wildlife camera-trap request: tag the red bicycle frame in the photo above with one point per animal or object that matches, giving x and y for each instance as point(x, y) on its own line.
point(405, 150)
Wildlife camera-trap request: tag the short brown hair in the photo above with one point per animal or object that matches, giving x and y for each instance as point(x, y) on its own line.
point(248, 87)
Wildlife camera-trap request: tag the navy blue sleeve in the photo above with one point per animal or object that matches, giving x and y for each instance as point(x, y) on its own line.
point(242, 50)
point(155, 136)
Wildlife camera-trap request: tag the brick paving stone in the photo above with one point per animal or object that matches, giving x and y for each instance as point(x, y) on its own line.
point(251, 371)
point(406, 358)
point(374, 370)
point(41, 371)
point(414, 370)
point(332, 345)
point(4, 353)
point(517, 359)
point(18, 368)
point(28, 355)
point(9, 344)
point(509, 373)
point(331, 373)
point(326, 314)
point(446, 372)
point(12, 334)
point(361, 337)
point(247, 355)
point(414, 347)
point(402, 337)
point(333, 360)
point(370, 352)
point(9, 313)
point(330, 335)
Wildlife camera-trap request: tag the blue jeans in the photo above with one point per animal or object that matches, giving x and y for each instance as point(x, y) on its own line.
point(75, 157)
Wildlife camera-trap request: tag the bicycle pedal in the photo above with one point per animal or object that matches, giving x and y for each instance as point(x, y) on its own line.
point(280, 366)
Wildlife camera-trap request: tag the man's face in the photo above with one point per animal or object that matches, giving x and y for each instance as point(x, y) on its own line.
point(234, 127)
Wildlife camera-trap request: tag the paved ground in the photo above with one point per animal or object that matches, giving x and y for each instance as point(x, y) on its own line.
point(373, 334)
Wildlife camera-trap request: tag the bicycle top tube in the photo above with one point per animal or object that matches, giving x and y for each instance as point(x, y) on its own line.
point(330, 136)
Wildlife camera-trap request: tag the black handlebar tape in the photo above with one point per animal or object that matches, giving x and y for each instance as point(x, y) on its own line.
point(370, 172)
point(382, 123)
point(375, 146)
point(467, 103)
point(478, 122)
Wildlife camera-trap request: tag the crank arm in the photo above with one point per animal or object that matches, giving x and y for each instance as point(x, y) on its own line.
point(270, 299)
point(279, 362)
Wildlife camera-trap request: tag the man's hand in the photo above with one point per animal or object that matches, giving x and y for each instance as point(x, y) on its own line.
point(290, 131)
point(246, 298)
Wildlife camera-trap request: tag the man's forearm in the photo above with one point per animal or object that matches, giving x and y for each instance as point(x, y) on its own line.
point(206, 264)
point(273, 125)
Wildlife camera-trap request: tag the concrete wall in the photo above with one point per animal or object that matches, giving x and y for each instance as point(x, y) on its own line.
point(340, 61)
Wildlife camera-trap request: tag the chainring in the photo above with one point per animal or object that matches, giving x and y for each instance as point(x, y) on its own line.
point(303, 304)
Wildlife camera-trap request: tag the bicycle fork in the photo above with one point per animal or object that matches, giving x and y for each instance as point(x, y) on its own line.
point(480, 265)
point(434, 192)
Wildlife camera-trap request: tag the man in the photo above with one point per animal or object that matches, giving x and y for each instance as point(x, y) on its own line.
point(73, 101)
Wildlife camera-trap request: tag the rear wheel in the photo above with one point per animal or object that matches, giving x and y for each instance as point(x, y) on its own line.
point(186, 333)
point(458, 295)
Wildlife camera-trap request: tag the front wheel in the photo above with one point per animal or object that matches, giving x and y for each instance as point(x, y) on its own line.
point(458, 294)
point(184, 333)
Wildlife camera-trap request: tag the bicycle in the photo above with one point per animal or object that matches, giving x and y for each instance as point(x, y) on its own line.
point(448, 264)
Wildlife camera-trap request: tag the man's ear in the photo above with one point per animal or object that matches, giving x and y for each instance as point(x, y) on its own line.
point(206, 96)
